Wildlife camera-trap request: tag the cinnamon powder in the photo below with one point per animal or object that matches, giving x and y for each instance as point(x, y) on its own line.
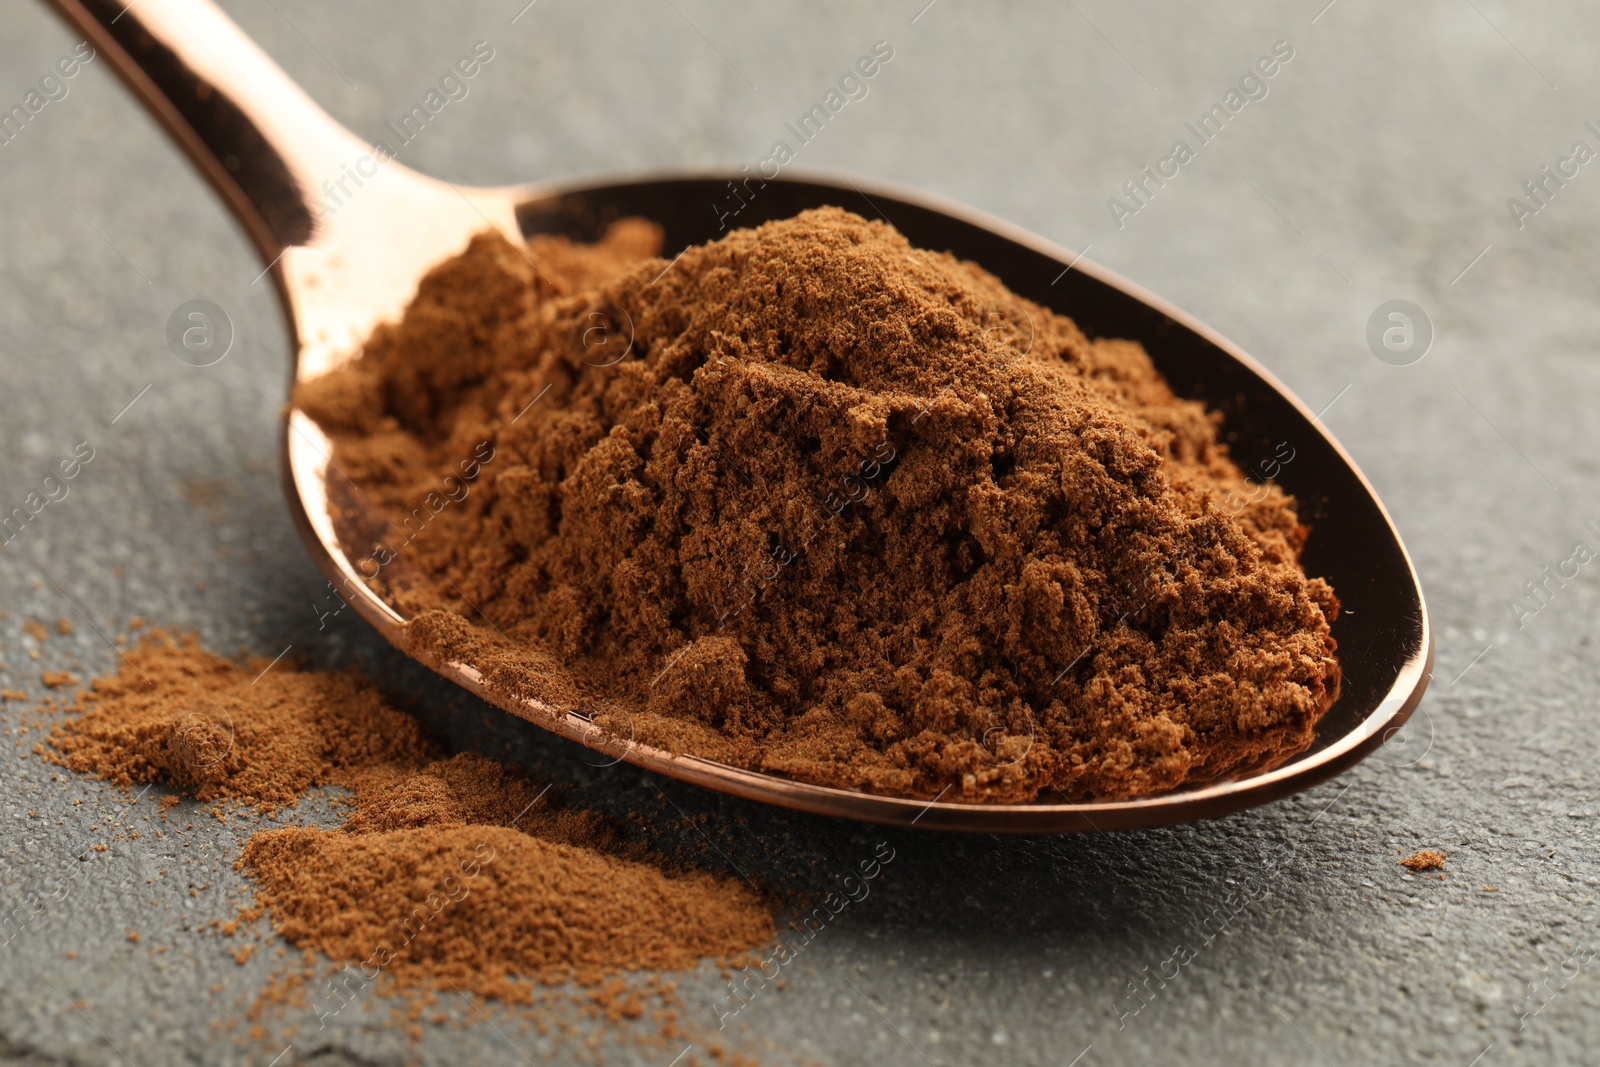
point(450, 870)
point(811, 501)
point(221, 731)
point(1425, 859)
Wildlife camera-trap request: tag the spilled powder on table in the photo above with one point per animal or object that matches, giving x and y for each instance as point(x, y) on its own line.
point(447, 870)
point(1424, 859)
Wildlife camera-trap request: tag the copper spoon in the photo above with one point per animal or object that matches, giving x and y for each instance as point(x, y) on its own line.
point(347, 236)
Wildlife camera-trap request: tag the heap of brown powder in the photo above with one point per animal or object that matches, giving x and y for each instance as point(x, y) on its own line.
point(451, 870)
point(174, 713)
point(1425, 859)
point(814, 502)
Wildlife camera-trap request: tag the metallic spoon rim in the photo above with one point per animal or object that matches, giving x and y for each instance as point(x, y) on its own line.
point(1207, 801)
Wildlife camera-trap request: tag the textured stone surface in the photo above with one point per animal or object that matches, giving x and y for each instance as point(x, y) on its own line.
point(1377, 167)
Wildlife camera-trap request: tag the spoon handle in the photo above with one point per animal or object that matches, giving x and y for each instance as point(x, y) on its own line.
point(260, 140)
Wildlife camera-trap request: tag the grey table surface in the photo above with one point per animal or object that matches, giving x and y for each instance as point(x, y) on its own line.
point(1378, 167)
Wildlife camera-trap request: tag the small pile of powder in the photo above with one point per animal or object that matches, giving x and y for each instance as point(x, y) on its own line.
point(1425, 859)
point(446, 869)
point(254, 733)
point(814, 502)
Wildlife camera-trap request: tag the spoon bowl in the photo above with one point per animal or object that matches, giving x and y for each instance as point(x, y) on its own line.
point(347, 232)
